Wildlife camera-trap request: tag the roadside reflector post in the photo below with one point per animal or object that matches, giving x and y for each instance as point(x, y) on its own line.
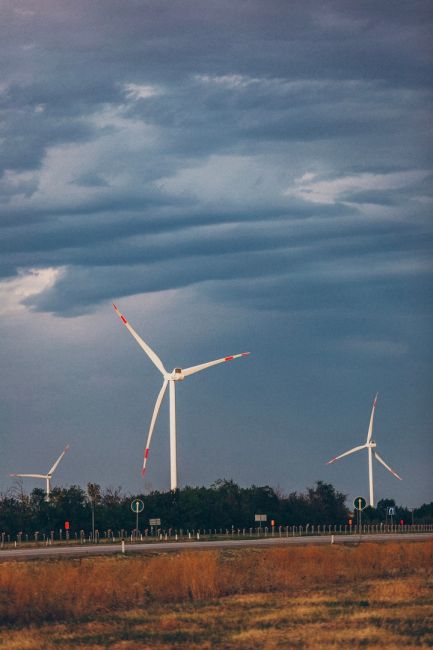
point(332, 539)
point(123, 546)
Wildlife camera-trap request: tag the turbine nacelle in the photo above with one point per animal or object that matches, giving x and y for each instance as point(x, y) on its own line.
point(175, 375)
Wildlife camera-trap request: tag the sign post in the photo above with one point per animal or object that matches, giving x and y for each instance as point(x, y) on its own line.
point(390, 513)
point(156, 521)
point(137, 506)
point(260, 518)
point(359, 504)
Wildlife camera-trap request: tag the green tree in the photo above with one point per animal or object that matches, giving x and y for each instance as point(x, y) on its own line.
point(326, 505)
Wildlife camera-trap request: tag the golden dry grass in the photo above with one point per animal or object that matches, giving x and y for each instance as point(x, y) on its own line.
point(376, 596)
point(341, 616)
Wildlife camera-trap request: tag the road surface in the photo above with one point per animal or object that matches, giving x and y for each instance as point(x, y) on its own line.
point(158, 547)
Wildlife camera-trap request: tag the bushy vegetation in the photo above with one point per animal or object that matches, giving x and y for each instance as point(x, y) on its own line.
point(220, 506)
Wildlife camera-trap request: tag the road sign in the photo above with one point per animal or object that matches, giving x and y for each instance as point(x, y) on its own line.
point(260, 517)
point(360, 503)
point(391, 512)
point(66, 525)
point(155, 522)
point(137, 506)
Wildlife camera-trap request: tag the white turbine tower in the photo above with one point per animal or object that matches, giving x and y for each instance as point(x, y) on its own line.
point(369, 445)
point(47, 476)
point(178, 374)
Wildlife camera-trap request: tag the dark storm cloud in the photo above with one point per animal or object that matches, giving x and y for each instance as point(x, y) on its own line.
point(236, 114)
point(277, 85)
point(328, 271)
point(27, 137)
point(91, 179)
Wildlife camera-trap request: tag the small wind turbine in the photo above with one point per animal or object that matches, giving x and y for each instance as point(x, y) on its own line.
point(369, 445)
point(178, 374)
point(47, 476)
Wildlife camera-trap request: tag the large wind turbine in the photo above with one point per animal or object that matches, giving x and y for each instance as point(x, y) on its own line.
point(369, 445)
point(47, 476)
point(170, 378)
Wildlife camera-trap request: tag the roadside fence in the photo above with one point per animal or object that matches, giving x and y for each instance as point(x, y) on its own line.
point(156, 534)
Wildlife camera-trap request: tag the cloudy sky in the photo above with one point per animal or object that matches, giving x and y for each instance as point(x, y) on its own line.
point(235, 176)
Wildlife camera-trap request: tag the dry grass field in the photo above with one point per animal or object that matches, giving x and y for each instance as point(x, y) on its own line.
point(373, 595)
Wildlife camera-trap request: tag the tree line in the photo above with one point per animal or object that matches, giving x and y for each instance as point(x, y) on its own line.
point(223, 505)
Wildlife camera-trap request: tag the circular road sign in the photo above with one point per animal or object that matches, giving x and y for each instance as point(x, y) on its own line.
point(137, 506)
point(360, 503)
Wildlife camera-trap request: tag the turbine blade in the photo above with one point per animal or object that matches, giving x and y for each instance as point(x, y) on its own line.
point(380, 459)
point(51, 471)
point(202, 366)
point(30, 475)
point(346, 453)
point(150, 353)
point(373, 410)
point(152, 422)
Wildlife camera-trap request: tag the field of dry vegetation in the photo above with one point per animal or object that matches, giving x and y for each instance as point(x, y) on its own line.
point(371, 595)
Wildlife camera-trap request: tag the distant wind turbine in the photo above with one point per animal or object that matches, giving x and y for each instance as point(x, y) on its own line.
point(47, 476)
point(178, 374)
point(369, 445)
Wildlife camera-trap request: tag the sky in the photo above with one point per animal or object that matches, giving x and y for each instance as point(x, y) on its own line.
point(250, 176)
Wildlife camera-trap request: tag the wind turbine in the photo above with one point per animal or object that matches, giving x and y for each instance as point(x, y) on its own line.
point(170, 378)
point(47, 476)
point(369, 445)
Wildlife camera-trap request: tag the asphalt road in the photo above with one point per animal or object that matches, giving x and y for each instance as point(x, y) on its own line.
point(155, 547)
